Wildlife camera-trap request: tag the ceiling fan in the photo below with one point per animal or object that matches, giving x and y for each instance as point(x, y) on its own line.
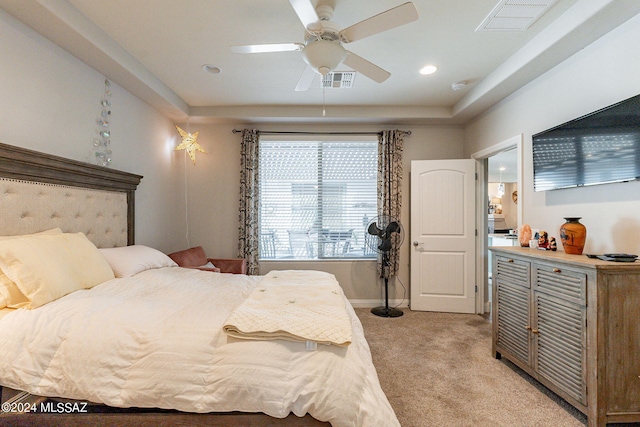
point(322, 49)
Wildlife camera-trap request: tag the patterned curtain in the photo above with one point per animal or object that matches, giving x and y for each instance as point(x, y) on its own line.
point(248, 230)
point(390, 189)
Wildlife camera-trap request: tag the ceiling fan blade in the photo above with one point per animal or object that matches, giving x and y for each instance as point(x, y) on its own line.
point(305, 11)
point(384, 21)
point(306, 79)
point(263, 48)
point(365, 67)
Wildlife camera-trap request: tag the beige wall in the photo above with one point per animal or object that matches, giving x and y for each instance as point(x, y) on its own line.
point(601, 74)
point(49, 102)
point(213, 191)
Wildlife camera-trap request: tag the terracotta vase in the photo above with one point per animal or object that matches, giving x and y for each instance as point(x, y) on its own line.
point(573, 235)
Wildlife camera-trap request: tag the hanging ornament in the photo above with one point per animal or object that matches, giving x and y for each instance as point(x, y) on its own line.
point(102, 143)
point(189, 143)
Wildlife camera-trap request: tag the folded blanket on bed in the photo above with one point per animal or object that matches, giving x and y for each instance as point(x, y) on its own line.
point(293, 305)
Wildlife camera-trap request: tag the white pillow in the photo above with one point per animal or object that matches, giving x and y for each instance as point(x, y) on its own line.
point(46, 267)
point(126, 261)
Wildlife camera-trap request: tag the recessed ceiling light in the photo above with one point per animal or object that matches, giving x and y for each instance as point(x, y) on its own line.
point(212, 69)
point(429, 69)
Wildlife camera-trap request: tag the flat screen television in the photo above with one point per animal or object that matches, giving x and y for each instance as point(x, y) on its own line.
point(599, 148)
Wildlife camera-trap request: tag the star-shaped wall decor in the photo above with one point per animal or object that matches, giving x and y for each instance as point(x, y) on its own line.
point(189, 144)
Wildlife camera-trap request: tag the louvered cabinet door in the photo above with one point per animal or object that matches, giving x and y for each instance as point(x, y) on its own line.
point(513, 307)
point(559, 345)
point(513, 320)
point(560, 326)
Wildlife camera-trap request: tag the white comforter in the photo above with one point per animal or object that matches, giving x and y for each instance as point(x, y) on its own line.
point(276, 309)
point(156, 340)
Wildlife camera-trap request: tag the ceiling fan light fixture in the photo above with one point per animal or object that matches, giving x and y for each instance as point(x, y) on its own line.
point(323, 56)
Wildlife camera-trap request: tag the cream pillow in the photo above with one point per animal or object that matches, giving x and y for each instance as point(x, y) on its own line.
point(10, 295)
point(126, 261)
point(46, 267)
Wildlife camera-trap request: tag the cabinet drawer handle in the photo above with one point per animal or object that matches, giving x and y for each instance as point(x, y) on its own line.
point(535, 331)
point(509, 260)
point(557, 270)
point(528, 328)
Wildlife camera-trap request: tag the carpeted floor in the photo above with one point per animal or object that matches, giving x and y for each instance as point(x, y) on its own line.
point(437, 370)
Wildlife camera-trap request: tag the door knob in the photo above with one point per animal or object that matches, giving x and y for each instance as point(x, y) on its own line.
point(415, 243)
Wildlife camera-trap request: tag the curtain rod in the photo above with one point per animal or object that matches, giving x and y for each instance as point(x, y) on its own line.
point(267, 132)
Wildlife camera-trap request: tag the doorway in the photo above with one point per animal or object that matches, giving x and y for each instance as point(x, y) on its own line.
point(506, 154)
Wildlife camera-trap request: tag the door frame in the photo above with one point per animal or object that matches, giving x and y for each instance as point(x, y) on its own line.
point(482, 297)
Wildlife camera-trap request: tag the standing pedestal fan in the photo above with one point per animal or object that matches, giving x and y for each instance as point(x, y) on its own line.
point(384, 234)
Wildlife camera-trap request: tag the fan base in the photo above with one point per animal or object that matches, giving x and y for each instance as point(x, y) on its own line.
point(387, 312)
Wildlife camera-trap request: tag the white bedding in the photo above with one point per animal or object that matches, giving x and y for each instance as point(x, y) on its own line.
point(155, 340)
point(294, 305)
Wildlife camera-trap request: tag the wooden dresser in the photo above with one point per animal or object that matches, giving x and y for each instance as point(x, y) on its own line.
point(572, 323)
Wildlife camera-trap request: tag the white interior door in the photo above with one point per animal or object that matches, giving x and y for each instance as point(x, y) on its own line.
point(443, 235)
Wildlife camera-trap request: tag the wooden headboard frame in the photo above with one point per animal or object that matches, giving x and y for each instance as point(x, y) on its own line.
point(28, 165)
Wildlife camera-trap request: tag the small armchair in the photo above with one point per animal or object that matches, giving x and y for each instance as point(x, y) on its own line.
point(196, 258)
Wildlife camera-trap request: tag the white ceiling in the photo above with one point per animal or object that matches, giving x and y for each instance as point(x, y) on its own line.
point(503, 167)
point(156, 50)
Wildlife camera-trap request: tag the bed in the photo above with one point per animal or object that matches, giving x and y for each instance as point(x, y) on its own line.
point(136, 331)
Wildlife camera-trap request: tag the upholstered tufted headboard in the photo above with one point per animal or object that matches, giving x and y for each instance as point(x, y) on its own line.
point(39, 191)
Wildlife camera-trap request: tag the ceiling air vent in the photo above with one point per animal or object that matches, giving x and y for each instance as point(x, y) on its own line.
point(515, 15)
point(338, 79)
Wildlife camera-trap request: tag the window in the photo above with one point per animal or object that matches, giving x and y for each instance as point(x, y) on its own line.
point(316, 198)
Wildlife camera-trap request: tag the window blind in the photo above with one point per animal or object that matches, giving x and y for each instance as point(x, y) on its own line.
point(316, 198)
